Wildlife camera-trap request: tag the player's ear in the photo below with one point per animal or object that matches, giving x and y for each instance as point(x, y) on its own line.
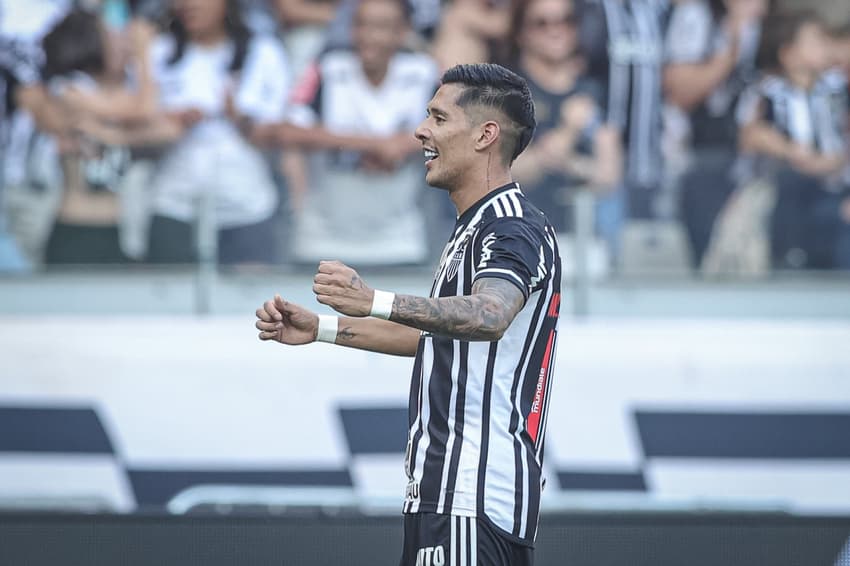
point(488, 134)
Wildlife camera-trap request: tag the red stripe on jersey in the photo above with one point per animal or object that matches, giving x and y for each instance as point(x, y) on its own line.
point(554, 305)
point(533, 421)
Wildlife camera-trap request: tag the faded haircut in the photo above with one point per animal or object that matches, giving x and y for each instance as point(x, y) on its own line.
point(487, 85)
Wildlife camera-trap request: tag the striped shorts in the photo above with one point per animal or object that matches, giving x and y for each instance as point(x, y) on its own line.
point(450, 540)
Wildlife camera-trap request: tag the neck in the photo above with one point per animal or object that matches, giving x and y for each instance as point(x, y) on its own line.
point(553, 76)
point(802, 79)
point(468, 193)
point(376, 74)
point(210, 37)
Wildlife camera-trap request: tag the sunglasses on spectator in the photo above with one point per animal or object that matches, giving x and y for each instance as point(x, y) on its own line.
point(541, 22)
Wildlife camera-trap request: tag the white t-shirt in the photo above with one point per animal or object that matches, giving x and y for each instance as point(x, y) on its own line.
point(350, 213)
point(213, 156)
point(201, 78)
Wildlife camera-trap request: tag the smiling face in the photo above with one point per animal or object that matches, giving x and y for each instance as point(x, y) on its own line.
point(448, 139)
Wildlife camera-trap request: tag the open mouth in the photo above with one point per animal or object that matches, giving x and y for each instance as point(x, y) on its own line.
point(430, 154)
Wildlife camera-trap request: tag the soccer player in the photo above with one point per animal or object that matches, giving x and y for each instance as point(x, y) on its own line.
point(484, 341)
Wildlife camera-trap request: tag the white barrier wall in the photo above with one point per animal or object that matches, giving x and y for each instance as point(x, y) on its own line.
point(133, 411)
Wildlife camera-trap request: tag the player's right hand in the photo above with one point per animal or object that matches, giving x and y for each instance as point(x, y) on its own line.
point(286, 322)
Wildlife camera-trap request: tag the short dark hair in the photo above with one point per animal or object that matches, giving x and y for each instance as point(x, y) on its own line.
point(74, 44)
point(780, 30)
point(493, 86)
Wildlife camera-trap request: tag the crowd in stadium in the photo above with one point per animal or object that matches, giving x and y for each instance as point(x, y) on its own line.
point(290, 123)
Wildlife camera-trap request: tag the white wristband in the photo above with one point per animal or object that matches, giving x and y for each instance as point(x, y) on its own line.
point(328, 327)
point(382, 304)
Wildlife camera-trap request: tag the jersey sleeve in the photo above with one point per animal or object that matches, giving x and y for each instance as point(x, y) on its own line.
point(511, 248)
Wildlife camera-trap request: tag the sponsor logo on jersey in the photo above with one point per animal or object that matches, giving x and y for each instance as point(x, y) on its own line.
point(411, 492)
point(487, 249)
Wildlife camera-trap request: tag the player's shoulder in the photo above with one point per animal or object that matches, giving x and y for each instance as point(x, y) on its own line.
point(512, 211)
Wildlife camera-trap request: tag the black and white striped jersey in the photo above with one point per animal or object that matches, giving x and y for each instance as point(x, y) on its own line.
point(478, 409)
point(624, 43)
point(816, 118)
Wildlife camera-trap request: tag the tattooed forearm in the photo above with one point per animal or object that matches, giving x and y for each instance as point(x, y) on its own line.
point(346, 334)
point(482, 316)
point(376, 335)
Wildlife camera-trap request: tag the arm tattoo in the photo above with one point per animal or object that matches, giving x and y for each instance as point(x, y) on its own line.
point(345, 335)
point(482, 316)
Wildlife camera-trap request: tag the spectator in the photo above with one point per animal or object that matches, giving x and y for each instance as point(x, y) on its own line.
point(218, 80)
point(22, 26)
point(573, 145)
point(791, 120)
point(83, 85)
point(86, 227)
point(711, 53)
point(623, 43)
point(359, 108)
point(470, 31)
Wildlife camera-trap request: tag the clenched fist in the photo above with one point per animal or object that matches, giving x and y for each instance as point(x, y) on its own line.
point(341, 288)
point(286, 322)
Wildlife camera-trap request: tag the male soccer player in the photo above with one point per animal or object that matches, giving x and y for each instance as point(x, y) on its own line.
point(484, 341)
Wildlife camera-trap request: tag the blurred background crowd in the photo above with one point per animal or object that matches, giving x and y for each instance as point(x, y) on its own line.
point(711, 134)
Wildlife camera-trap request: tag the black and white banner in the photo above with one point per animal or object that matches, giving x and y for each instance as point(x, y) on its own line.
point(133, 413)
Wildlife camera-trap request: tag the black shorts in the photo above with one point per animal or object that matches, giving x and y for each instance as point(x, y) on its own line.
point(448, 540)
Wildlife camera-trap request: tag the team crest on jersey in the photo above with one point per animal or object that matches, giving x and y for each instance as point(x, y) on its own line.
point(454, 264)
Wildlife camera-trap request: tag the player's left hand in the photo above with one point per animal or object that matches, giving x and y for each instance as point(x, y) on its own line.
point(341, 288)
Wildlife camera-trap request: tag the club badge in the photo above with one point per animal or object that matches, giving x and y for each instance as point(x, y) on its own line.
point(454, 264)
